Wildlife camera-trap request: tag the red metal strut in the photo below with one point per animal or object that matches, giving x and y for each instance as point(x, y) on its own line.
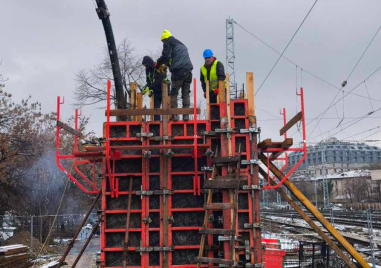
point(304, 149)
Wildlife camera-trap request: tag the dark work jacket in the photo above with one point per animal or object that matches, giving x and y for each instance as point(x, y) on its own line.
point(175, 55)
point(220, 73)
point(153, 77)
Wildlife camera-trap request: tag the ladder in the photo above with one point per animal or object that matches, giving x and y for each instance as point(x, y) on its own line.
point(229, 183)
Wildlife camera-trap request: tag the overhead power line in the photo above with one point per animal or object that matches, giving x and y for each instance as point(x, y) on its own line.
point(302, 68)
point(280, 56)
point(332, 104)
point(346, 81)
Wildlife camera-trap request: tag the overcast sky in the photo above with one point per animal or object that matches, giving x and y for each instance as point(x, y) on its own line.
point(45, 43)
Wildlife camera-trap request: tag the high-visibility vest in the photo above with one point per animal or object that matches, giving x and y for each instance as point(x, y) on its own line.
point(213, 78)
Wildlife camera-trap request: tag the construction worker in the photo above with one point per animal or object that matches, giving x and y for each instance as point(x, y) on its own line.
point(175, 55)
point(154, 77)
point(212, 71)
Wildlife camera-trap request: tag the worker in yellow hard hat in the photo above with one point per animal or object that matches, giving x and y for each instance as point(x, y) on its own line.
point(212, 71)
point(175, 55)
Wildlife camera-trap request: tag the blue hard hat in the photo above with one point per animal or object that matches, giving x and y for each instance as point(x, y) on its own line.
point(207, 53)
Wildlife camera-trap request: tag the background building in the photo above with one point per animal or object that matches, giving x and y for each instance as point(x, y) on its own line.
point(339, 157)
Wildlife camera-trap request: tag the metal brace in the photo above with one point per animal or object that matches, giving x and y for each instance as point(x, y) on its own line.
point(209, 153)
point(252, 187)
point(247, 250)
point(206, 168)
point(253, 225)
point(227, 238)
point(224, 130)
point(147, 154)
point(169, 154)
point(144, 135)
point(170, 219)
point(257, 265)
point(163, 138)
point(163, 192)
point(150, 249)
point(250, 130)
point(250, 162)
point(209, 133)
point(147, 220)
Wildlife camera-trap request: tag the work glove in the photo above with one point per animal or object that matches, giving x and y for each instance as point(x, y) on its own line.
point(216, 91)
point(147, 90)
point(166, 80)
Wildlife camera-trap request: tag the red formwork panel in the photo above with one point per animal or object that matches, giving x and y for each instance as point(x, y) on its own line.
point(185, 203)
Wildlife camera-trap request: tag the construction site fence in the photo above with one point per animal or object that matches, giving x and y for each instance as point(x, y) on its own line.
point(21, 229)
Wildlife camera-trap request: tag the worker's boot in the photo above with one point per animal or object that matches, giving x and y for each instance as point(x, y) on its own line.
point(186, 117)
point(175, 117)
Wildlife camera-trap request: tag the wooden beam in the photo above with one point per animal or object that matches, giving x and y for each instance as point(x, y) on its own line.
point(133, 87)
point(151, 106)
point(250, 97)
point(222, 92)
point(264, 144)
point(318, 216)
point(291, 123)
point(69, 129)
point(287, 143)
point(155, 111)
point(165, 173)
point(139, 103)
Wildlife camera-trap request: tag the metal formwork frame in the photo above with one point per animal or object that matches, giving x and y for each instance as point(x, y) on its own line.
point(73, 156)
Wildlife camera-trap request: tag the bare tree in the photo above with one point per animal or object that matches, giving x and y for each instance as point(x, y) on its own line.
point(91, 83)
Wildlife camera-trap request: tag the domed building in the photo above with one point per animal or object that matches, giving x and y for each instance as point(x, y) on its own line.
point(339, 156)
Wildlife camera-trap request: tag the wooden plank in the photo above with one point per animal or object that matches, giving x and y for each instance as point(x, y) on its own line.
point(133, 87)
point(217, 231)
point(152, 106)
point(139, 103)
point(226, 159)
point(165, 176)
point(221, 184)
point(220, 206)
point(70, 129)
point(230, 177)
point(250, 97)
point(317, 215)
point(222, 91)
point(214, 260)
point(157, 111)
point(264, 144)
point(291, 123)
point(287, 143)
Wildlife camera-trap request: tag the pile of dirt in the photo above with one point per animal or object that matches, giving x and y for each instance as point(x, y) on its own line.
point(24, 238)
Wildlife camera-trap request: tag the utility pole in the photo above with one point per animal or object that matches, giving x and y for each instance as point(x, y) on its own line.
point(316, 203)
point(370, 230)
point(325, 182)
point(278, 199)
point(104, 16)
point(230, 55)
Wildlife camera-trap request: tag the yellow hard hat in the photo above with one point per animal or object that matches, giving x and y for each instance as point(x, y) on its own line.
point(165, 35)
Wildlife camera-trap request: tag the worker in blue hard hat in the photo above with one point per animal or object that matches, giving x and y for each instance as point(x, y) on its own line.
point(175, 55)
point(212, 71)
